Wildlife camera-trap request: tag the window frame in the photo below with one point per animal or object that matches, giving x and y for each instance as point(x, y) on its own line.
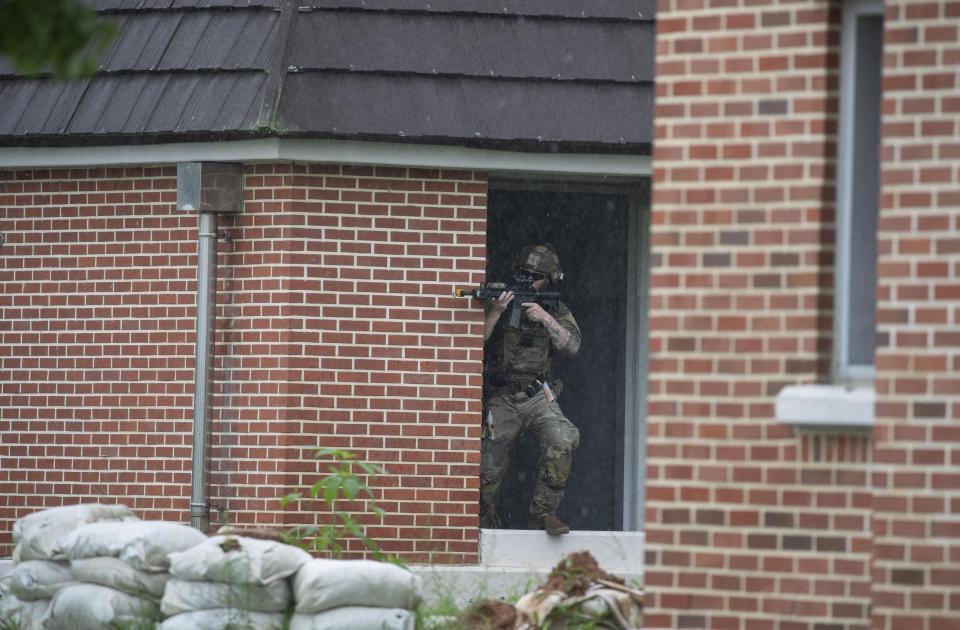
point(843, 370)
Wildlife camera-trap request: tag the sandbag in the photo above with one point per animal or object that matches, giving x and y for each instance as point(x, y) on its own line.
point(323, 584)
point(182, 596)
point(238, 560)
point(144, 545)
point(7, 599)
point(32, 614)
point(10, 611)
point(94, 607)
point(116, 573)
point(223, 619)
point(9, 603)
point(36, 535)
point(355, 618)
point(39, 579)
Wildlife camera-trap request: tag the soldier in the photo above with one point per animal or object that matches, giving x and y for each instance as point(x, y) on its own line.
point(521, 396)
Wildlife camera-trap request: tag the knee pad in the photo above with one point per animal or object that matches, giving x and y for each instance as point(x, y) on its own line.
point(556, 466)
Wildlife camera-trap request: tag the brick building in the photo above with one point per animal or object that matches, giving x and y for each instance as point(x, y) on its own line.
point(388, 148)
point(784, 435)
point(771, 505)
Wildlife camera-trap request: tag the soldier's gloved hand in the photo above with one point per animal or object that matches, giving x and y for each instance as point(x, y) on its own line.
point(500, 304)
point(535, 313)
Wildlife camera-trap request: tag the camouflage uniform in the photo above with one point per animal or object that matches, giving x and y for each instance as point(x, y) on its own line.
point(515, 357)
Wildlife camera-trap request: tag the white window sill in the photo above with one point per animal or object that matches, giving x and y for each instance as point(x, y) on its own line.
point(826, 406)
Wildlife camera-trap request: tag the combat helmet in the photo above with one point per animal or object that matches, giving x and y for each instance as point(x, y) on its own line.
point(540, 259)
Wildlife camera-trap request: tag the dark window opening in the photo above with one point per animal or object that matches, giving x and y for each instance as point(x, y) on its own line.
point(590, 232)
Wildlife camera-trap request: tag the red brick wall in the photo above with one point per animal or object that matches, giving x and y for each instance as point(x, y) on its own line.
point(916, 520)
point(748, 524)
point(95, 337)
point(335, 328)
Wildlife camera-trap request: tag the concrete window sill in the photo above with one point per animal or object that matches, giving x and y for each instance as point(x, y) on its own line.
point(826, 406)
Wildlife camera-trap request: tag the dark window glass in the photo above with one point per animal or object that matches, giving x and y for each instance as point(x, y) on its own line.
point(865, 187)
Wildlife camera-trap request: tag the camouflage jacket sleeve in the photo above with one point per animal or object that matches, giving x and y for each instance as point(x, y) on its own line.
point(565, 318)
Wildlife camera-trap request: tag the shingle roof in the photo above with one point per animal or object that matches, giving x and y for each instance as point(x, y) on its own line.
point(528, 74)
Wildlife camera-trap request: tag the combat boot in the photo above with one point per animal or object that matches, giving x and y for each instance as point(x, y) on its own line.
point(551, 524)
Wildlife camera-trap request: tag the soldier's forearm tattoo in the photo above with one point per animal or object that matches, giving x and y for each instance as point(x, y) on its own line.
point(559, 336)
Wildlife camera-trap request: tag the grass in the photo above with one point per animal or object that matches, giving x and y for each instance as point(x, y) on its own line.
point(441, 612)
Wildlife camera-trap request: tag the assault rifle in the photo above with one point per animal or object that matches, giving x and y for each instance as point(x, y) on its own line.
point(522, 287)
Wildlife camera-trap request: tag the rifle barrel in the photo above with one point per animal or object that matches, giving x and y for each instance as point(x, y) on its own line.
point(487, 293)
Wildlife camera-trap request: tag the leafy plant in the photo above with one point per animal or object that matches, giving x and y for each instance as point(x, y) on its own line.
point(342, 483)
point(62, 36)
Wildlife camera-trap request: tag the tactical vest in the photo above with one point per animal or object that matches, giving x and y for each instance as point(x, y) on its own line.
point(519, 354)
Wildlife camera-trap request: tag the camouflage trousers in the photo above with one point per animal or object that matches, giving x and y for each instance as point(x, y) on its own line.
point(556, 437)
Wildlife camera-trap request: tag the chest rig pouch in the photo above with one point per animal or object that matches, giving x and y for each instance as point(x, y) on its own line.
point(521, 352)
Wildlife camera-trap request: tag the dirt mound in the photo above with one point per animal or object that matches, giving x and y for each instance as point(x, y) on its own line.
point(573, 575)
point(489, 614)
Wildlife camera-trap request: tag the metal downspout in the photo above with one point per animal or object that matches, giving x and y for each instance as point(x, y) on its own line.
point(203, 372)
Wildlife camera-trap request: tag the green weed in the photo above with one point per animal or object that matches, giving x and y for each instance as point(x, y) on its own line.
point(342, 483)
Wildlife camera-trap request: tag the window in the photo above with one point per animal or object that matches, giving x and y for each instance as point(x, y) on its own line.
point(849, 402)
point(858, 185)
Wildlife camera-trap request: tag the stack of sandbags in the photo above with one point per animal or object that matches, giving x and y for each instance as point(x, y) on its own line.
point(37, 575)
point(354, 595)
point(231, 582)
point(120, 573)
